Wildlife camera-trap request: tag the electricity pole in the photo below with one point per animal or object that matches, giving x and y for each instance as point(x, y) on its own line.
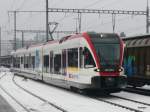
point(79, 20)
point(47, 21)
point(147, 18)
point(22, 39)
point(0, 41)
point(14, 30)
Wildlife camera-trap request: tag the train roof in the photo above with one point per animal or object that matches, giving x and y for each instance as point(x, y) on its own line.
point(137, 41)
point(62, 40)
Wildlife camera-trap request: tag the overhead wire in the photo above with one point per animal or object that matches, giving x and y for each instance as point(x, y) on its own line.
point(102, 24)
point(90, 5)
point(83, 7)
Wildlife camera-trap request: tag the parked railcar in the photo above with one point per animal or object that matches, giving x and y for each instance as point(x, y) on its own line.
point(87, 61)
point(137, 60)
point(6, 61)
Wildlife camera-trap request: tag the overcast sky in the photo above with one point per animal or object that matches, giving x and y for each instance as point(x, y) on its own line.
point(90, 22)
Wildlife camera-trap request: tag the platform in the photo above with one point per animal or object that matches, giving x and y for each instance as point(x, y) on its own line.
point(5, 106)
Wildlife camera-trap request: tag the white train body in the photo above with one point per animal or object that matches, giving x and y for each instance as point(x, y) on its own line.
point(70, 63)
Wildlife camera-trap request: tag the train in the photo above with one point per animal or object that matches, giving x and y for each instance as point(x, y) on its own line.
point(79, 62)
point(137, 60)
point(6, 61)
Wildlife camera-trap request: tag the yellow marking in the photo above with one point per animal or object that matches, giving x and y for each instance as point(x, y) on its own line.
point(72, 69)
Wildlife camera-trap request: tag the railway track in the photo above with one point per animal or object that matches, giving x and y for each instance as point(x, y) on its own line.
point(116, 104)
point(99, 99)
point(44, 100)
point(19, 103)
point(96, 98)
point(139, 102)
point(138, 91)
point(27, 109)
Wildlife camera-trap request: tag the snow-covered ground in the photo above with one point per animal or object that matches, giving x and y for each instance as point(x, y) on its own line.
point(69, 101)
point(3, 69)
point(29, 101)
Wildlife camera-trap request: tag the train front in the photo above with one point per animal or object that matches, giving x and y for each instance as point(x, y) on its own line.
point(107, 49)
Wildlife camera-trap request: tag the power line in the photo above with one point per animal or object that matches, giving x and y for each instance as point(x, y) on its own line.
point(91, 11)
point(102, 24)
point(43, 31)
point(61, 10)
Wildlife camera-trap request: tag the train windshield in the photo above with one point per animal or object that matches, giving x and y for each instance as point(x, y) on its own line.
point(109, 54)
point(107, 48)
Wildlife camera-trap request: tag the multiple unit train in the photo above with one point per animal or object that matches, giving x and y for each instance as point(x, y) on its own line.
point(137, 60)
point(86, 61)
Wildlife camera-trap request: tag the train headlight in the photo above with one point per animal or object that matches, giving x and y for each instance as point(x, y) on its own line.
point(120, 69)
point(97, 70)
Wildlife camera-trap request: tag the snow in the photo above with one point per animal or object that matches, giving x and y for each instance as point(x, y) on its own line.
point(146, 87)
point(69, 101)
point(26, 99)
point(134, 96)
point(3, 69)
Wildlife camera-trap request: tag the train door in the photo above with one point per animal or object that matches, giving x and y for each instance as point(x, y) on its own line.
point(21, 66)
point(51, 62)
point(29, 61)
point(57, 64)
point(46, 63)
point(73, 64)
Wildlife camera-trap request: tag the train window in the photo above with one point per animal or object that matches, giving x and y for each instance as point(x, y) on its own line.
point(14, 62)
point(64, 64)
point(81, 57)
point(37, 58)
point(73, 57)
point(147, 40)
point(57, 64)
point(33, 62)
point(46, 63)
point(27, 63)
point(18, 62)
point(21, 60)
point(88, 59)
point(30, 61)
point(51, 62)
point(24, 61)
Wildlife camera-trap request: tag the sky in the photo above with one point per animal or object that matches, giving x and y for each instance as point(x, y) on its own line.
point(129, 24)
